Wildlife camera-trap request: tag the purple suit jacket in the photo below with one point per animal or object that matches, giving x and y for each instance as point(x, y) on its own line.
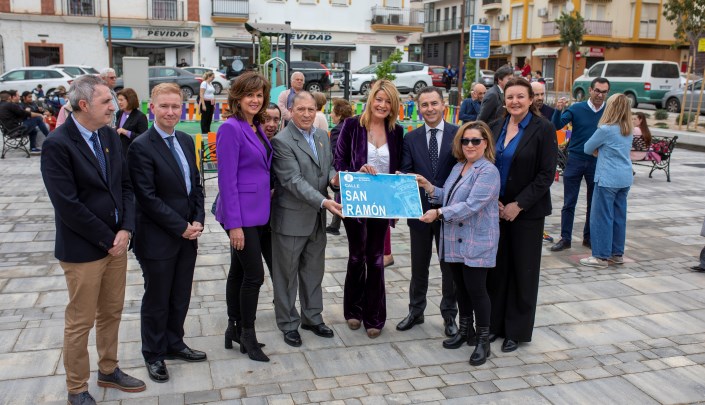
point(243, 176)
point(351, 150)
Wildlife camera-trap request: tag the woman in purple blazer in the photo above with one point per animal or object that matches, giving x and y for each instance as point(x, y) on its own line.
point(244, 162)
point(370, 143)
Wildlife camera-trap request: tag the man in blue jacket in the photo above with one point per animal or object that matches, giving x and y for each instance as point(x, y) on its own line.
point(584, 116)
point(470, 108)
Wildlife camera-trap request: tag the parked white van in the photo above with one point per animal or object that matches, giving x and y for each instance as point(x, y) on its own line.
point(642, 81)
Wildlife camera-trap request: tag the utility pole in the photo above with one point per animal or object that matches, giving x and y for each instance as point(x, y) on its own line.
point(461, 54)
point(110, 39)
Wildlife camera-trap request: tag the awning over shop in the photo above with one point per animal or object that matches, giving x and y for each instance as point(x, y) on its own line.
point(324, 47)
point(546, 52)
point(135, 43)
point(224, 43)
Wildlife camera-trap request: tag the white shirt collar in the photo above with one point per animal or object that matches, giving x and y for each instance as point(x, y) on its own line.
point(440, 127)
point(592, 106)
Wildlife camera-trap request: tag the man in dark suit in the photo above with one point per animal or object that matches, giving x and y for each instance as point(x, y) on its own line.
point(169, 219)
point(539, 97)
point(88, 185)
point(470, 108)
point(493, 103)
point(428, 151)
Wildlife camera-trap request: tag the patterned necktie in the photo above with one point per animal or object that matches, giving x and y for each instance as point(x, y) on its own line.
point(433, 150)
point(312, 143)
point(99, 155)
point(172, 148)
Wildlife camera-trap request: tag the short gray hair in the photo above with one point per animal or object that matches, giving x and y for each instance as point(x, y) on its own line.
point(296, 74)
point(105, 72)
point(302, 95)
point(83, 88)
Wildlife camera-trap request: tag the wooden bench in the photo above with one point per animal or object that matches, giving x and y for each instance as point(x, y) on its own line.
point(663, 146)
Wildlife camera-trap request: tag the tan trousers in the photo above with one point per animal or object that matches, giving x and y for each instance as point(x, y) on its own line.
point(96, 296)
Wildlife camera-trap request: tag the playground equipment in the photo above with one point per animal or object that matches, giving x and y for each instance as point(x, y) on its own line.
point(276, 68)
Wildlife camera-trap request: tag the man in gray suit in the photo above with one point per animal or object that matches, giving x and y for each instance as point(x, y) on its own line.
point(303, 165)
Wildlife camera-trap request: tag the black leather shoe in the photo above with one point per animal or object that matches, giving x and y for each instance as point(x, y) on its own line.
point(320, 330)
point(492, 337)
point(451, 328)
point(292, 338)
point(587, 244)
point(561, 245)
point(187, 354)
point(409, 322)
point(332, 231)
point(509, 345)
point(157, 371)
point(698, 269)
point(83, 398)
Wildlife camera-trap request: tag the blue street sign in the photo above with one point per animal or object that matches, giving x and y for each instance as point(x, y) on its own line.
point(379, 196)
point(480, 41)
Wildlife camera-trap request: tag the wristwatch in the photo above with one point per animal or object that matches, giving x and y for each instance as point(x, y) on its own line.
point(440, 213)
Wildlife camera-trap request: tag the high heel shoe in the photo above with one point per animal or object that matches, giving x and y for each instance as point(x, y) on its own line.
point(250, 345)
point(232, 334)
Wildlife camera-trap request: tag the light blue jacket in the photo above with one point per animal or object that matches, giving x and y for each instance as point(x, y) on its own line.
point(614, 167)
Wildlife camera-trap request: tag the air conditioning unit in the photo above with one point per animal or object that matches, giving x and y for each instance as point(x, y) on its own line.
point(543, 12)
point(482, 20)
point(395, 19)
point(378, 19)
point(501, 18)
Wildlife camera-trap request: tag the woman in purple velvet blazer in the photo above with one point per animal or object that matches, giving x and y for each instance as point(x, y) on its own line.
point(370, 143)
point(244, 162)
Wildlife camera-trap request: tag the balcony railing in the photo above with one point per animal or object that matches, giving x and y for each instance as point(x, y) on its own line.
point(231, 8)
point(491, 3)
point(549, 29)
point(85, 8)
point(598, 28)
point(443, 25)
point(172, 10)
point(397, 16)
point(494, 34)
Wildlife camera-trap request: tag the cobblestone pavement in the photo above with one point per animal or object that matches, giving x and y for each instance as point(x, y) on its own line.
point(628, 334)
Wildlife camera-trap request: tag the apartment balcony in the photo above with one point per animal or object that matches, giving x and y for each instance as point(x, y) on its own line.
point(235, 11)
point(397, 19)
point(598, 28)
point(170, 10)
point(491, 5)
point(81, 8)
point(452, 24)
point(549, 29)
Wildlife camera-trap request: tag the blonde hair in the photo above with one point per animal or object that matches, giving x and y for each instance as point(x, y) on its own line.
point(486, 135)
point(391, 91)
point(166, 88)
point(208, 75)
point(320, 99)
point(618, 111)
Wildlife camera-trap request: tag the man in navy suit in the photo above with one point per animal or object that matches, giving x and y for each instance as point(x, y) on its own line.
point(87, 181)
point(428, 151)
point(170, 216)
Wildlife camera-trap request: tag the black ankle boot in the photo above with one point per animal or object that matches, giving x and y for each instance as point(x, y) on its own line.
point(250, 345)
point(462, 335)
point(482, 350)
point(231, 335)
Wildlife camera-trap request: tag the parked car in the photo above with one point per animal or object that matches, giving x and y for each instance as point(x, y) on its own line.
point(220, 82)
point(410, 77)
point(673, 99)
point(317, 77)
point(642, 81)
point(76, 70)
point(27, 78)
point(189, 82)
point(487, 77)
point(437, 75)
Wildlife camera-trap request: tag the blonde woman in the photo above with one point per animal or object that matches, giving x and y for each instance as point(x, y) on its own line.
point(206, 101)
point(369, 143)
point(611, 144)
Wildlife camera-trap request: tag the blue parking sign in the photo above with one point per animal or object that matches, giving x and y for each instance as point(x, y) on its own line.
point(480, 41)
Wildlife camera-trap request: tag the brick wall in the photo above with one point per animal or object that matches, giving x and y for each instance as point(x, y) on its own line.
point(48, 7)
point(192, 10)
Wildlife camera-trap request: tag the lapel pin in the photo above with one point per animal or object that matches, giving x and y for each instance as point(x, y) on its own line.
point(107, 150)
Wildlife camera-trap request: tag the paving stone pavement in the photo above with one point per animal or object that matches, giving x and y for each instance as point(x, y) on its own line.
point(626, 334)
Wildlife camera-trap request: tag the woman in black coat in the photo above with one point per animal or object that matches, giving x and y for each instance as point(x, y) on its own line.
point(526, 151)
point(130, 122)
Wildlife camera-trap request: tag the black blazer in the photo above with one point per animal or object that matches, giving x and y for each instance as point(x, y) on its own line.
point(492, 107)
point(533, 168)
point(84, 203)
point(163, 207)
point(414, 159)
point(135, 122)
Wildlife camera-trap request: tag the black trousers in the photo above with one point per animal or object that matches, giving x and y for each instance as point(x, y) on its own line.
point(206, 117)
point(421, 253)
point(471, 287)
point(514, 284)
point(246, 275)
point(167, 294)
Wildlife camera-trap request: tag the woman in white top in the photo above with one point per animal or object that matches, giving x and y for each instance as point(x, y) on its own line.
point(369, 143)
point(321, 121)
point(206, 101)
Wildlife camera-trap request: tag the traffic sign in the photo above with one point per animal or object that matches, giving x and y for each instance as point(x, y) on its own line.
point(578, 55)
point(480, 41)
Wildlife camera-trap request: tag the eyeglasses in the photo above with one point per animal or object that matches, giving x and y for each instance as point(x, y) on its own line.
point(473, 141)
point(112, 77)
point(600, 91)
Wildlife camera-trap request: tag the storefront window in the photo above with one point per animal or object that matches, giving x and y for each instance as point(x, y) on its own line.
point(379, 54)
point(157, 56)
point(44, 55)
point(332, 59)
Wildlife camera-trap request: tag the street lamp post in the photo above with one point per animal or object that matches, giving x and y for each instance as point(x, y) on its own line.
point(110, 39)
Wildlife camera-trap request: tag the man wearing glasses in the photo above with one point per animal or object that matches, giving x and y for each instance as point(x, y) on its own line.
point(110, 78)
point(584, 116)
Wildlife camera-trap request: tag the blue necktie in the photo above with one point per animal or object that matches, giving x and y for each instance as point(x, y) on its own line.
point(99, 155)
point(312, 143)
point(172, 148)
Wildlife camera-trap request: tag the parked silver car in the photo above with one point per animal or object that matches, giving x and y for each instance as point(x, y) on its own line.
point(673, 99)
point(189, 82)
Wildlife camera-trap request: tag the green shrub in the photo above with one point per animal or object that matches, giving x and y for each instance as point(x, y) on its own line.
point(661, 115)
point(687, 117)
point(661, 125)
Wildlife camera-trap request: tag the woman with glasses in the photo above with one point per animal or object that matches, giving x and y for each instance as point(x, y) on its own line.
point(470, 224)
point(526, 151)
point(370, 143)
